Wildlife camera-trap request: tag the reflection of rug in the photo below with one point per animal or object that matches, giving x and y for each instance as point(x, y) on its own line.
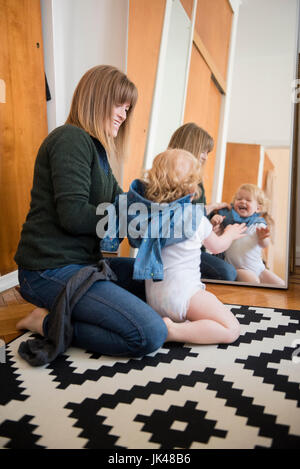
point(243, 395)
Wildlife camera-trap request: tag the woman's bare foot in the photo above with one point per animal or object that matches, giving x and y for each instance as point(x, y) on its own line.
point(33, 321)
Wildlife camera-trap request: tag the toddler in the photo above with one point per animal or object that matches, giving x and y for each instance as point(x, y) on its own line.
point(190, 312)
point(249, 206)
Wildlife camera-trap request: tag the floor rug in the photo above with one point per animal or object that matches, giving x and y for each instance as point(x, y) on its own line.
point(245, 395)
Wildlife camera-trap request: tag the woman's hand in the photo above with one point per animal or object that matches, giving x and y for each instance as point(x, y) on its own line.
point(216, 222)
point(236, 231)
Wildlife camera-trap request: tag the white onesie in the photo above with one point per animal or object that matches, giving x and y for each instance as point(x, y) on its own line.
point(245, 253)
point(171, 296)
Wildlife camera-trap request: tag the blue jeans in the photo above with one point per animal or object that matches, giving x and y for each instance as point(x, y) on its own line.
point(112, 318)
point(213, 267)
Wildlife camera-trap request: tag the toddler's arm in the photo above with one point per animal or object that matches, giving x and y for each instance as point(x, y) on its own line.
point(216, 244)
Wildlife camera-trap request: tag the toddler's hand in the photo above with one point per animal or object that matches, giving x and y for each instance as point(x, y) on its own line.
point(236, 231)
point(262, 233)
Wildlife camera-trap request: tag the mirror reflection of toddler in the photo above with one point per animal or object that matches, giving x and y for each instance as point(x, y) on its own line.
point(249, 206)
point(190, 312)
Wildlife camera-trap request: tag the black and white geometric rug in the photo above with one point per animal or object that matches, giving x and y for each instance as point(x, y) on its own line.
point(244, 395)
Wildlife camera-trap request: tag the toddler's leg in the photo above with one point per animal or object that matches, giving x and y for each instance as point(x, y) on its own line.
point(209, 322)
point(244, 275)
point(269, 277)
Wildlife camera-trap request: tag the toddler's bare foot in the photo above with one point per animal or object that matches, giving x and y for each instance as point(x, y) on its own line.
point(33, 321)
point(169, 323)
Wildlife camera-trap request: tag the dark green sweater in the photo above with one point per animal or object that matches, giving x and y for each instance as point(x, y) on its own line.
point(69, 183)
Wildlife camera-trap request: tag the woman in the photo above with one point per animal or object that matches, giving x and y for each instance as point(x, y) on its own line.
point(72, 177)
point(194, 139)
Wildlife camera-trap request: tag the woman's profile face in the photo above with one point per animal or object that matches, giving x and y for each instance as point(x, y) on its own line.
point(119, 114)
point(203, 157)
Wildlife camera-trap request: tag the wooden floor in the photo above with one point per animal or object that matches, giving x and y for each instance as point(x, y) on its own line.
point(13, 307)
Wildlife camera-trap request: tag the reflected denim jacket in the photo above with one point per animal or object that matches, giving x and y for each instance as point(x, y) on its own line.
point(149, 226)
point(233, 217)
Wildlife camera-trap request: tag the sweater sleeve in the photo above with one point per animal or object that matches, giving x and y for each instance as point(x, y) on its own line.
point(70, 161)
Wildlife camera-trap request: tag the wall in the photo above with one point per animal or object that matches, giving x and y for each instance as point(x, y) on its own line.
point(78, 35)
point(262, 74)
point(253, 83)
point(277, 249)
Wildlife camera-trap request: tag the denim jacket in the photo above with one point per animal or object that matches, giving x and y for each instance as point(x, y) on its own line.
point(149, 226)
point(233, 217)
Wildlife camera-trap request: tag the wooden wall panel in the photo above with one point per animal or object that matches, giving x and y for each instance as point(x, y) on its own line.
point(23, 118)
point(241, 166)
point(203, 104)
point(213, 24)
point(145, 29)
point(268, 166)
point(197, 98)
point(144, 36)
point(212, 127)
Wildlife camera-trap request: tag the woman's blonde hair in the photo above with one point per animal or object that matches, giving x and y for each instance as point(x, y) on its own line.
point(192, 138)
point(174, 174)
point(97, 92)
point(262, 201)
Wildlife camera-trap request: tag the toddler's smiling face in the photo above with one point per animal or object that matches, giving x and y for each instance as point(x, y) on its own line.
point(245, 204)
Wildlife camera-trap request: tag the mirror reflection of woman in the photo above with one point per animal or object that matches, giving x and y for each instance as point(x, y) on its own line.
point(72, 177)
point(196, 140)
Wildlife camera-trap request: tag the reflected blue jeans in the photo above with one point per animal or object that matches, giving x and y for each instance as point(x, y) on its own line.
point(213, 267)
point(112, 318)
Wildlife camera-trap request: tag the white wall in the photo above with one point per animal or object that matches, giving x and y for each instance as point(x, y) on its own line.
point(264, 66)
point(270, 89)
point(77, 35)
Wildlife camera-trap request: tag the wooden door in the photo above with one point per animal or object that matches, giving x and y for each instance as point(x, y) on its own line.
point(144, 36)
point(23, 121)
point(203, 106)
point(241, 159)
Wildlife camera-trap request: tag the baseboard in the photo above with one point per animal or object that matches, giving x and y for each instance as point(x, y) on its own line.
point(9, 281)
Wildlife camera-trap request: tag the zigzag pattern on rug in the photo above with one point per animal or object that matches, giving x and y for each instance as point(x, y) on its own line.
point(242, 395)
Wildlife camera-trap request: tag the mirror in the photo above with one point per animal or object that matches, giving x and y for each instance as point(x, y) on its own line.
point(254, 127)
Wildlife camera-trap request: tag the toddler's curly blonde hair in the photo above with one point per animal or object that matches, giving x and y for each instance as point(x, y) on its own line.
point(174, 174)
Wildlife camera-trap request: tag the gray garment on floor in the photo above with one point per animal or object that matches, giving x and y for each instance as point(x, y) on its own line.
point(42, 350)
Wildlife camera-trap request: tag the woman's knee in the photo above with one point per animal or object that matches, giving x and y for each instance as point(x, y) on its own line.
point(152, 338)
